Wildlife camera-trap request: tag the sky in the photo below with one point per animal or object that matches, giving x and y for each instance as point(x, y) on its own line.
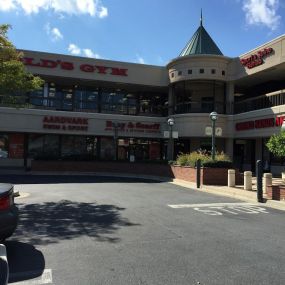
point(139, 31)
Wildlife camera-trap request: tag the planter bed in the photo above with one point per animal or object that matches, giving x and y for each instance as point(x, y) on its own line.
point(276, 192)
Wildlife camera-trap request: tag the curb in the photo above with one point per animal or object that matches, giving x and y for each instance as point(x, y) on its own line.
point(4, 268)
point(231, 192)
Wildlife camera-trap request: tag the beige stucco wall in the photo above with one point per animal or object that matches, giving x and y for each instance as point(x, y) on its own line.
point(237, 70)
point(195, 63)
point(141, 74)
point(31, 121)
point(193, 125)
point(256, 115)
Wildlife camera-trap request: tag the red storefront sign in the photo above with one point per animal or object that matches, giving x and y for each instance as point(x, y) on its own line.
point(66, 65)
point(257, 58)
point(260, 124)
point(65, 123)
point(133, 127)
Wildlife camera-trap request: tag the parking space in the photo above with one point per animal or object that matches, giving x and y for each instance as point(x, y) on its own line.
point(112, 231)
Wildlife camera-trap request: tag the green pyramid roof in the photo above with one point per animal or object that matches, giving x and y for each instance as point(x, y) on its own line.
point(201, 43)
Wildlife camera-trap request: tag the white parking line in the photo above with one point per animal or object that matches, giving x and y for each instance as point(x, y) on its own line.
point(45, 278)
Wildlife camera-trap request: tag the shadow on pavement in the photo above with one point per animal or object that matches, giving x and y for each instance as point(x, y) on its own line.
point(54, 179)
point(52, 222)
point(25, 261)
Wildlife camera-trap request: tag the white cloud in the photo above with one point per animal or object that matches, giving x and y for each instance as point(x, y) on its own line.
point(7, 5)
point(71, 7)
point(103, 12)
point(74, 49)
point(140, 59)
point(89, 53)
point(54, 33)
point(262, 12)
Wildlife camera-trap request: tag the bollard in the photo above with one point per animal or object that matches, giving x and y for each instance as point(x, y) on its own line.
point(198, 173)
point(267, 181)
point(247, 180)
point(231, 178)
point(259, 181)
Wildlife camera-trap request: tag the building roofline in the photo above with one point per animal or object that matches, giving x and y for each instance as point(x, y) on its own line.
point(143, 65)
point(263, 45)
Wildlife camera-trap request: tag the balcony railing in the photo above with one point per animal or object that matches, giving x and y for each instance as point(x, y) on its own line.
point(261, 102)
point(200, 107)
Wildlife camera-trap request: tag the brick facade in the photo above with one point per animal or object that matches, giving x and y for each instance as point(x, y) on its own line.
point(276, 192)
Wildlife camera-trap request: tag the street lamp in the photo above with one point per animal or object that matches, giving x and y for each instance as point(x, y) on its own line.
point(213, 117)
point(170, 123)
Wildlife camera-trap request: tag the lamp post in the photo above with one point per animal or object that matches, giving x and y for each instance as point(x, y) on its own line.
point(170, 123)
point(213, 117)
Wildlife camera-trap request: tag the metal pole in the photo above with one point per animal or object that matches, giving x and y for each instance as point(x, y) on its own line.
point(259, 181)
point(198, 173)
point(213, 139)
point(171, 143)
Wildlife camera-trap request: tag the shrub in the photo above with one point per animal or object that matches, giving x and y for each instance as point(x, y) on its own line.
point(218, 164)
point(190, 159)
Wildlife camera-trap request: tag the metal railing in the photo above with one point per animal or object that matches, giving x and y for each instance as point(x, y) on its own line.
point(261, 102)
point(199, 107)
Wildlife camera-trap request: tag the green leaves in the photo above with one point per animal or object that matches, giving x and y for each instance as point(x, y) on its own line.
point(276, 144)
point(14, 79)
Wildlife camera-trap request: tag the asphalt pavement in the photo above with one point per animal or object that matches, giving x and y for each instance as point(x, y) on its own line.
point(102, 230)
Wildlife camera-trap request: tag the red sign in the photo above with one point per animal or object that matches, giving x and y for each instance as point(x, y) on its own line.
point(66, 65)
point(133, 127)
point(257, 58)
point(16, 146)
point(260, 124)
point(65, 123)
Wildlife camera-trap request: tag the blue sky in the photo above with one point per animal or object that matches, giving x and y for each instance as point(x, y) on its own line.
point(141, 31)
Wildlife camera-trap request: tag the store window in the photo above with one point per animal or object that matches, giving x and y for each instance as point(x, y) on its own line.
point(11, 146)
point(43, 146)
point(86, 99)
point(143, 149)
point(4, 146)
point(118, 102)
point(107, 150)
point(36, 97)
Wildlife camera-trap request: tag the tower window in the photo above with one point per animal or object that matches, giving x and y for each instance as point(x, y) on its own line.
point(202, 70)
point(213, 71)
point(223, 73)
point(189, 71)
point(179, 72)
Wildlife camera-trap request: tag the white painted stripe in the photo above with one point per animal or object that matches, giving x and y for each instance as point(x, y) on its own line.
point(180, 206)
point(45, 278)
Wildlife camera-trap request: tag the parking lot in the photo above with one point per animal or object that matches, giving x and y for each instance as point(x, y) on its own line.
point(102, 230)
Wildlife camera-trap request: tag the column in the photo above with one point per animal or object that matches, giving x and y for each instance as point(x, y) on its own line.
point(230, 148)
point(230, 90)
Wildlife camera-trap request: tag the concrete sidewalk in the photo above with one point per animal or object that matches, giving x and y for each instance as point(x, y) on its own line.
point(235, 192)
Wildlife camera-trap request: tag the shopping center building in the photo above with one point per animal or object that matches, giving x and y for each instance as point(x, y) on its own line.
point(94, 109)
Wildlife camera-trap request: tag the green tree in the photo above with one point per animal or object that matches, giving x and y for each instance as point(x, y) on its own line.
point(15, 81)
point(276, 144)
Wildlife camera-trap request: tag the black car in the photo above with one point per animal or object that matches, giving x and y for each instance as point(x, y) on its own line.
point(8, 211)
